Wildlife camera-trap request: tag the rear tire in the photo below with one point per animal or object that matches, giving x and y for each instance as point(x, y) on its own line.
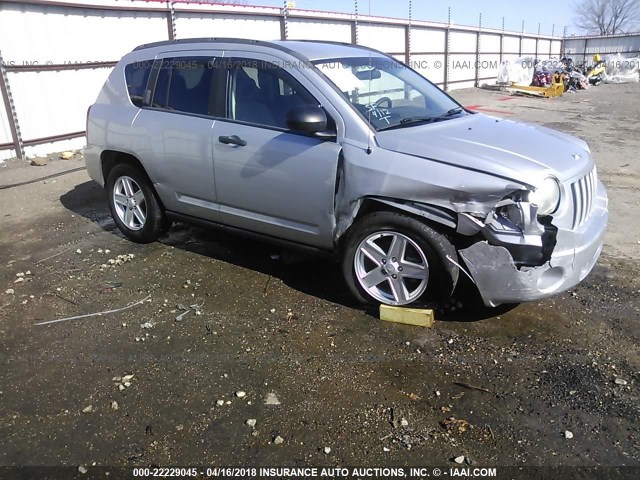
point(134, 204)
point(395, 259)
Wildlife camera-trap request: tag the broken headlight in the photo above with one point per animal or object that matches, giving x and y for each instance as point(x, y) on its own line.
point(546, 196)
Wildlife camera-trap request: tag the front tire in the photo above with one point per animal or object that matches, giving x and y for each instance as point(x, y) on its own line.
point(134, 204)
point(394, 259)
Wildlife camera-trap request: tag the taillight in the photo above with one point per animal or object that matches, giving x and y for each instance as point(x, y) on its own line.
point(86, 130)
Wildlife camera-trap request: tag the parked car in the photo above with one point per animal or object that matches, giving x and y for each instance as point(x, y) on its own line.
point(342, 149)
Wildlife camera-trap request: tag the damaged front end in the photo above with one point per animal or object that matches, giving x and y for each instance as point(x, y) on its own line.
point(516, 245)
point(515, 225)
point(524, 256)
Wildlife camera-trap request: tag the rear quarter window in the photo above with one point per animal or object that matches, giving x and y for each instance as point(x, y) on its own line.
point(136, 77)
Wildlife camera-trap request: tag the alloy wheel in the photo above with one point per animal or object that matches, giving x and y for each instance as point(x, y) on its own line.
point(391, 267)
point(129, 202)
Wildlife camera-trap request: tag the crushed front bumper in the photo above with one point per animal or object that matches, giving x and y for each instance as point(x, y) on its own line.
point(576, 252)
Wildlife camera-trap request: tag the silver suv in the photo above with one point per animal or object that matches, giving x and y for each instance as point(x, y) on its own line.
point(339, 148)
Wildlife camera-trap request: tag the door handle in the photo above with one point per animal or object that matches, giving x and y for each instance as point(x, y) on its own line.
point(232, 140)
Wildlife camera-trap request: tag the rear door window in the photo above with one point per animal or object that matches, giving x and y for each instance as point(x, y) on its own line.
point(185, 84)
point(136, 77)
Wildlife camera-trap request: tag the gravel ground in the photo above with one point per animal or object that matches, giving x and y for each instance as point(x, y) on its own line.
point(324, 382)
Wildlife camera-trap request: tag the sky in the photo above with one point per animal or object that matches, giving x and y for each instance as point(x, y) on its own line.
point(465, 12)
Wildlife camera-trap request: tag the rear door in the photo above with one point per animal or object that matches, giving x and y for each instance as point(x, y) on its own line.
point(270, 179)
point(177, 125)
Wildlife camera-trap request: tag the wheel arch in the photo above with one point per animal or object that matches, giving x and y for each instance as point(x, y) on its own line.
point(442, 220)
point(438, 242)
point(111, 158)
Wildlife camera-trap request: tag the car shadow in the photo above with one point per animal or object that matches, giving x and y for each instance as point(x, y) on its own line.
point(90, 201)
point(316, 276)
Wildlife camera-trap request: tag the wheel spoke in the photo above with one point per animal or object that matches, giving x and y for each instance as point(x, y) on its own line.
point(120, 199)
point(373, 251)
point(398, 289)
point(412, 270)
point(128, 217)
point(139, 197)
point(139, 214)
point(128, 188)
point(373, 278)
point(397, 247)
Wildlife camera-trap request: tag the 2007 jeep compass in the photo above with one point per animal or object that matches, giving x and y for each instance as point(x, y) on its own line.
point(341, 148)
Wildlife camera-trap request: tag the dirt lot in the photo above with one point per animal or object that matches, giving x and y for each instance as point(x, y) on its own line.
point(373, 392)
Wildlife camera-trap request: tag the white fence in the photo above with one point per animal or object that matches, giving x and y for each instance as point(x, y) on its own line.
point(55, 55)
point(583, 48)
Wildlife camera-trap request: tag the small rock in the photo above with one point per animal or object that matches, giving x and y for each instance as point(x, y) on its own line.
point(272, 399)
point(121, 387)
point(82, 469)
point(385, 449)
point(87, 409)
point(114, 405)
point(20, 274)
point(327, 450)
point(67, 155)
point(251, 422)
point(459, 459)
point(241, 394)
point(9, 291)
point(179, 427)
point(220, 403)
point(568, 434)
point(78, 251)
point(278, 440)
point(40, 161)
point(620, 381)
point(127, 378)
point(19, 280)
point(438, 393)
point(404, 422)
point(147, 325)
point(273, 310)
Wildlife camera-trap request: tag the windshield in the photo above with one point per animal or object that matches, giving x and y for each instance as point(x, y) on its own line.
point(387, 93)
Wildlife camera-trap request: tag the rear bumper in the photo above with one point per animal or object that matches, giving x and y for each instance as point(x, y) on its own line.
point(575, 254)
point(91, 155)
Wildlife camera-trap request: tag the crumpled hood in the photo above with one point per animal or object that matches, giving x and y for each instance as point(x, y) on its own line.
point(517, 151)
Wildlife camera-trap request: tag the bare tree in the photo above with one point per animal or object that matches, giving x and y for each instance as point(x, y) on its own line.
point(607, 17)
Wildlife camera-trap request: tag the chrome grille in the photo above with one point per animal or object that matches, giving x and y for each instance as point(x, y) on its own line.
point(583, 192)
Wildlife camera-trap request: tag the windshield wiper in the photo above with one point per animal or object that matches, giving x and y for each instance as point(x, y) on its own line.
point(411, 120)
point(453, 111)
point(408, 121)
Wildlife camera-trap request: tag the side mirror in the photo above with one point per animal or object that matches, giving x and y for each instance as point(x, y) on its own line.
point(307, 118)
point(370, 74)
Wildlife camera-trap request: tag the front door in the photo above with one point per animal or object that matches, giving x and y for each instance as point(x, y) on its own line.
point(270, 179)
